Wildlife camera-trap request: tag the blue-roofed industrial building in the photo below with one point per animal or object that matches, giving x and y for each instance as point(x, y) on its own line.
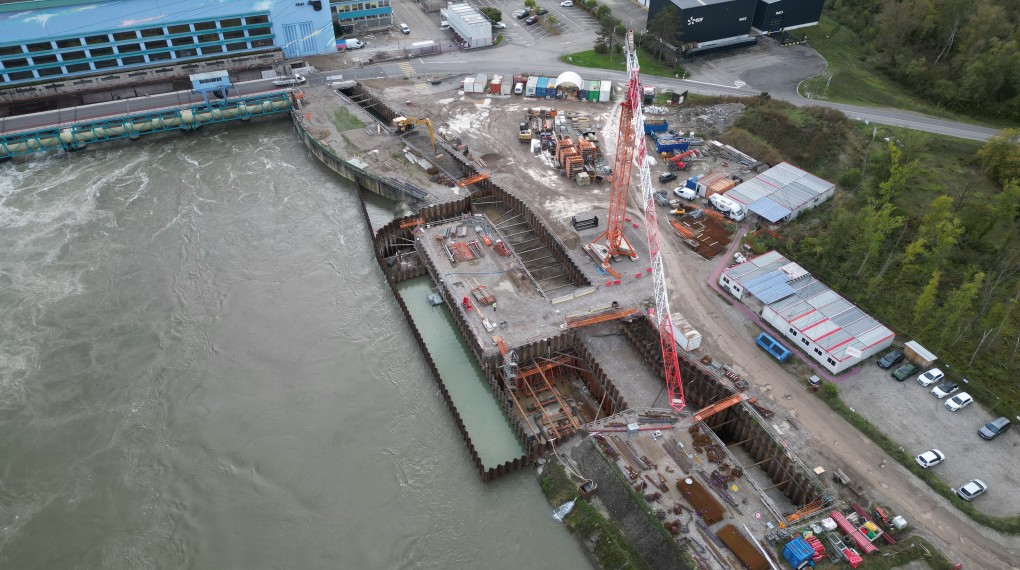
point(47, 40)
point(832, 330)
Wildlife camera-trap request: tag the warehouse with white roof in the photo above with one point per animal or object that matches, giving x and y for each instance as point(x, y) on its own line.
point(781, 193)
point(469, 23)
point(832, 330)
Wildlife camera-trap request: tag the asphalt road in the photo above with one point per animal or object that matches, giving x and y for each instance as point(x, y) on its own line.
point(505, 59)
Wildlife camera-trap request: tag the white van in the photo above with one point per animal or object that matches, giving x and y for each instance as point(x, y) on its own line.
point(354, 43)
point(518, 89)
point(685, 193)
point(405, 29)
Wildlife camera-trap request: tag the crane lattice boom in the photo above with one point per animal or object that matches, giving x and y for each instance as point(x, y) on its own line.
point(630, 148)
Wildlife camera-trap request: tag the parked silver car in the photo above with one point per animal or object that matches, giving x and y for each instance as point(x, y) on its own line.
point(944, 389)
point(972, 489)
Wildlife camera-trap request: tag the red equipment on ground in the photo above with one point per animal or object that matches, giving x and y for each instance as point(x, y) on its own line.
point(677, 161)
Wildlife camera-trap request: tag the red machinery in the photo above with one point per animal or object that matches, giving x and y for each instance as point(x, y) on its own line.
point(630, 148)
point(677, 162)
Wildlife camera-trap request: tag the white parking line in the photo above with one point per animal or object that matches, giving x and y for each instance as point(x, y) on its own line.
point(712, 84)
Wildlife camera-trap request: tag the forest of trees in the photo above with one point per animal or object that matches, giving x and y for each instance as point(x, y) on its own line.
point(962, 54)
point(924, 234)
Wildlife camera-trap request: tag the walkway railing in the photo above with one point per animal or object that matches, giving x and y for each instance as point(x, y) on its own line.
point(77, 135)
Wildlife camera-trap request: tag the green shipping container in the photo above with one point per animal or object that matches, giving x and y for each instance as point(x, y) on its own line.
point(593, 91)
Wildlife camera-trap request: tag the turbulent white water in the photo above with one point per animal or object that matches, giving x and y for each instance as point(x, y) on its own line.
point(201, 367)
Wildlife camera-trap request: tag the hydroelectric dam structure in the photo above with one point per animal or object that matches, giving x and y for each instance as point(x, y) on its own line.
point(74, 136)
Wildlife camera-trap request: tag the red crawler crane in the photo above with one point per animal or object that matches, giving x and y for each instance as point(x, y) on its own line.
point(630, 147)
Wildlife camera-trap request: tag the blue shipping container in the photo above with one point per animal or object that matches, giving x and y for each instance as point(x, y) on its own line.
point(543, 82)
point(692, 182)
point(656, 126)
point(666, 142)
point(799, 553)
point(772, 346)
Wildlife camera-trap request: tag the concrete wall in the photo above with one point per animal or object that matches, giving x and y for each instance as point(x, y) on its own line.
point(364, 179)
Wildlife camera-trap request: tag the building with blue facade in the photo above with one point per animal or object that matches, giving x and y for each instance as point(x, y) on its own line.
point(47, 40)
point(357, 16)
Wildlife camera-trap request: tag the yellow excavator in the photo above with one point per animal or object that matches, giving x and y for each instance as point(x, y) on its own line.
point(406, 124)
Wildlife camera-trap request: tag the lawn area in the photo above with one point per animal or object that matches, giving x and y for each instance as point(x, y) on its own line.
point(856, 81)
point(345, 121)
point(649, 65)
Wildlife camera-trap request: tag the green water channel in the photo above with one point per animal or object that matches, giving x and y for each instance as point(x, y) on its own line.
point(491, 434)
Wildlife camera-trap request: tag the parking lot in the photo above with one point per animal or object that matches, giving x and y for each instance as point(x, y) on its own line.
point(425, 26)
point(909, 414)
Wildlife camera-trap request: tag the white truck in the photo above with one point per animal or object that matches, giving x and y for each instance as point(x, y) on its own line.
point(730, 208)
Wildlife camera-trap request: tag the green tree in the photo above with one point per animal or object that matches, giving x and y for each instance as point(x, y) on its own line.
point(664, 30)
point(877, 222)
point(1000, 156)
point(958, 311)
point(900, 174)
point(493, 14)
point(607, 36)
point(926, 300)
point(530, 4)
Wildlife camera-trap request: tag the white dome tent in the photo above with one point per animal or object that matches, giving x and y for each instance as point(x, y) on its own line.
point(568, 83)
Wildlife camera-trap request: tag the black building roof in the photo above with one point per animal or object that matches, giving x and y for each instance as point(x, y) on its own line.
point(685, 4)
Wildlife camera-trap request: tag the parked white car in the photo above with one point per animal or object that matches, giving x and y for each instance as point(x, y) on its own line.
point(567, 3)
point(959, 401)
point(930, 377)
point(930, 458)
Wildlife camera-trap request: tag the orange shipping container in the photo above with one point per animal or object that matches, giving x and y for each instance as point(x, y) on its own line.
point(720, 187)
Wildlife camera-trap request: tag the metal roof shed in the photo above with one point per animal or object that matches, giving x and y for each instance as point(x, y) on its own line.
point(769, 210)
point(770, 287)
point(918, 354)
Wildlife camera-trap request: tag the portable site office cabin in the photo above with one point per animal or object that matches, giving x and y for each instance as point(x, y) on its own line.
point(480, 80)
point(531, 89)
point(605, 91)
point(686, 336)
point(468, 84)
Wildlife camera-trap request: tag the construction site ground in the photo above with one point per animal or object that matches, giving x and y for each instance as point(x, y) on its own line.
point(489, 127)
point(691, 478)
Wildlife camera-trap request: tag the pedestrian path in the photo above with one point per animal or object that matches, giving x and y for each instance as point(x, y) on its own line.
point(406, 69)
